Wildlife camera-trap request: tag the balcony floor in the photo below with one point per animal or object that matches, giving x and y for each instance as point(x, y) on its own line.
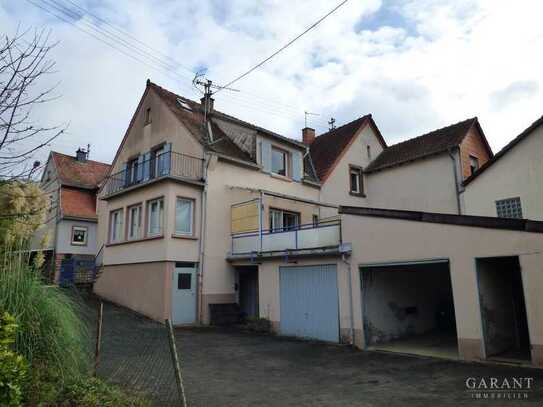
point(331, 251)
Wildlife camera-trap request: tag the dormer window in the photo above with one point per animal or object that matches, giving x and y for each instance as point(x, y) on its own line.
point(279, 161)
point(148, 117)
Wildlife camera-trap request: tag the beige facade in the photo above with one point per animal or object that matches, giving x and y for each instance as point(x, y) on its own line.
point(517, 173)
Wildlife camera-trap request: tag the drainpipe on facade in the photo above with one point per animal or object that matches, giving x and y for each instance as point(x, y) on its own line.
point(203, 228)
point(351, 315)
point(456, 184)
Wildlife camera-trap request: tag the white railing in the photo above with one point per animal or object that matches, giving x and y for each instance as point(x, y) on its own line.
point(325, 234)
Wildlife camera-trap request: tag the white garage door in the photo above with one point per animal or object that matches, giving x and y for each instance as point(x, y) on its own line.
point(309, 302)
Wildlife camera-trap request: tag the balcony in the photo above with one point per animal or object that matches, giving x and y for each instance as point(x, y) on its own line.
point(321, 239)
point(168, 164)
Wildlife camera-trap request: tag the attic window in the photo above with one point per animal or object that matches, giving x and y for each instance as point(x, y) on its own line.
point(148, 117)
point(368, 151)
point(184, 105)
point(473, 164)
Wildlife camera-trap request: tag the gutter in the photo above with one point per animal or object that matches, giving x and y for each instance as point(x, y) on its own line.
point(456, 184)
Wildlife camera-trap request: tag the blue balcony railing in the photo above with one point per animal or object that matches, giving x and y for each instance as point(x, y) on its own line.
point(167, 164)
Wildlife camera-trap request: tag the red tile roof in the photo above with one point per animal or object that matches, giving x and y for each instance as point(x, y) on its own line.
point(328, 148)
point(82, 174)
point(78, 203)
point(435, 142)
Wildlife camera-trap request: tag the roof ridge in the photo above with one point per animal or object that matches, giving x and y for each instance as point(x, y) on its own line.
point(72, 157)
point(366, 116)
point(433, 131)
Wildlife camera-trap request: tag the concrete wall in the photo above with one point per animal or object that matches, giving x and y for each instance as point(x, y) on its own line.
point(515, 174)
point(64, 237)
point(390, 240)
point(424, 185)
point(389, 293)
point(142, 287)
point(337, 187)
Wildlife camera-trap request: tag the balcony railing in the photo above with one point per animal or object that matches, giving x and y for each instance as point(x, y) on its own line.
point(304, 237)
point(166, 164)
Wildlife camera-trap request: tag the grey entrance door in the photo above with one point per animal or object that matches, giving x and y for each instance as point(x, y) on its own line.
point(184, 294)
point(309, 302)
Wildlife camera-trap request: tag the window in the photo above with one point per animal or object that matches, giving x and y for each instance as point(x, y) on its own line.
point(134, 222)
point(132, 171)
point(356, 186)
point(155, 221)
point(184, 281)
point(315, 220)
point(183, 216)
point(509, 208)
point(368, 151)
point(473, 164)
point(282, 220)
point(79, 235)
point(148, 116)
point(279, 161)
point(158, 158)
point(116, 226)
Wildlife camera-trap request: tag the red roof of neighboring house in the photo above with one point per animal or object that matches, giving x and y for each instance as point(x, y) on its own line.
point(437, 141)
point(328, 148)
point(78, 203)
point(82, 174)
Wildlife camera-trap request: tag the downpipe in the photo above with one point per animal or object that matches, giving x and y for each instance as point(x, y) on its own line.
point(351, 310)
point(203, 228)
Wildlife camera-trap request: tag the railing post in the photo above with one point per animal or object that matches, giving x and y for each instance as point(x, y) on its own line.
point(296, 238)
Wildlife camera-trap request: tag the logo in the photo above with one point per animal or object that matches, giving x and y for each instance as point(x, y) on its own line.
point(499, 388)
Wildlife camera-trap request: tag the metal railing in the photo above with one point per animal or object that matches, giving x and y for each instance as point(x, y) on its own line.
point(310, 236)
point(170, 164)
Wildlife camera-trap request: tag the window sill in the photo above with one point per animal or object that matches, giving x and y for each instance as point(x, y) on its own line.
point(144, 239)
point(188, 237)
point(358, 194)
point(78, 244)
point(281, 177)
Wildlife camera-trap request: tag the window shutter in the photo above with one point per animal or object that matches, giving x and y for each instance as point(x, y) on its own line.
point(167, 159)
point(139, 173)
point(146, 166)
point(297, 166)
point(265, 155)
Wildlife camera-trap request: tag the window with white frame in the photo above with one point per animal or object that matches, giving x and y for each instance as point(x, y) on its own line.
point(155, 217)
point(355, 181)
point(116, 226)
point(283, 220)
point(279, 161)
point(473, 164)
point(184, 213)
point(79, 235)
point(134, 222)
point(509, 208)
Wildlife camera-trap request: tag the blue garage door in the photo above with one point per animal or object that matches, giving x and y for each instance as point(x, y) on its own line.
point(309, 302)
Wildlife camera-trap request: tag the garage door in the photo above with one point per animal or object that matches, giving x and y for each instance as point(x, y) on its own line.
point(309, 302)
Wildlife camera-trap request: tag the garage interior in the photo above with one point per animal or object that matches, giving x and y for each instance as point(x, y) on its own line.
point(408, 308)
point(248, 291)
point(503, 309)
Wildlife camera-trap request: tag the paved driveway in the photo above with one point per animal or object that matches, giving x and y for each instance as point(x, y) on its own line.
point(232, 368)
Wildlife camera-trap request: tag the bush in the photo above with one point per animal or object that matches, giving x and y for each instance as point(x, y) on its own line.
point(13, 367)
point(51, 332)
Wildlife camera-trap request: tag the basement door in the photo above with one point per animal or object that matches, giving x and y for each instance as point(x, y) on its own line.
point(184, 294)
point(309, 302)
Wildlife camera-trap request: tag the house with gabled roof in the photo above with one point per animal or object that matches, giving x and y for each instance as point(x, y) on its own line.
point(71, 182)
point(205, 217)
point(510, 184)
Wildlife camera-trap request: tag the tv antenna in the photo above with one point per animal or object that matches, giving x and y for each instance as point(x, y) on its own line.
point(306, 114)
point(332, 123)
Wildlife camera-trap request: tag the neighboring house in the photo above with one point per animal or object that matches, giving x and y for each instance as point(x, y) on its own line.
point(510, 185)
point(203, 213)
point(71, 182)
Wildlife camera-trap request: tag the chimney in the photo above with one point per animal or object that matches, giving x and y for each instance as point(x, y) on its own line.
point(210, 103)
point(81, 155)
point(308, 135)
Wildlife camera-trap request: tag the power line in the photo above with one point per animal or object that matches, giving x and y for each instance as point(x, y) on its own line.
point(286, 45)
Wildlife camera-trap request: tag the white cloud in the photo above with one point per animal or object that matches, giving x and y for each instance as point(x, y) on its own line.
point(428, 65)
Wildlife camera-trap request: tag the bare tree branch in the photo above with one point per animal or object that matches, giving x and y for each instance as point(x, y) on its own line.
point(24, 61)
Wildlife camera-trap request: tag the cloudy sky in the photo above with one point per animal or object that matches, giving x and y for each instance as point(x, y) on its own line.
point(416, 65)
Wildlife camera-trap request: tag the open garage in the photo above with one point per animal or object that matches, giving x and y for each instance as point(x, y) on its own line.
point(409, 308)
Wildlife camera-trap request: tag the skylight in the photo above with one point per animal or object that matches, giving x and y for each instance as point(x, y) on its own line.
point(184, 104)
